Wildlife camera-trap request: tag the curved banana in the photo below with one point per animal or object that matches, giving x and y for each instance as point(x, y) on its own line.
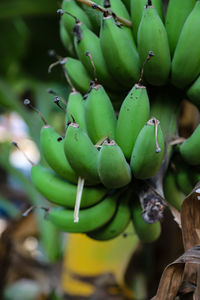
point(127, 4)
point(118, 7)
point(99, 114)
point(182, 176)
point(193, 93)
point(81, 153)
point(73, 8)
point(119, 52)
point(148, 152)
point(53, 151)
point(147, 233)
point(177, 13)
point(62, 192)
point(86, 41)
point(136, 10)
point(186, 60)
point(117, 224)
point(66, 39)
point(190, 149)
point(113, 169)
point(152, 36)
point(133, 115)
point(172, 193)
point(90, 218)
point(76, 110)
point(78, 74)
point(94, 15)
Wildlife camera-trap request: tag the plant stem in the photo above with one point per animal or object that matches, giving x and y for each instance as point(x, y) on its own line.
point(104, 10)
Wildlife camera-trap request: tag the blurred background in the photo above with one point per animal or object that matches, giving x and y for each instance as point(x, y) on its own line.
point(34, 256)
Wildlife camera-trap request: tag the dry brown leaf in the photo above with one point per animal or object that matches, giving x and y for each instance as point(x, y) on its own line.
point(173, 274)
point(185, 267)
point(190, 219)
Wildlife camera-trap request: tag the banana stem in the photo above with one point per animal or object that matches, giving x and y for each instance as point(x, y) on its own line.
point(104, 10)
point(78, 198)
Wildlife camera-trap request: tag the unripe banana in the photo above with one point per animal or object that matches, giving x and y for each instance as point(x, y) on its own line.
point(133, 115)
point(90, 218)
point(152, 36)
point(117, 224)
point(147, 233)
point(118, 7)
point(193, 93)
point(113, 169)
point(78, 75)
point(177, 13)
point(76, 109)
point(62, 192)
point(183, 174)
point(127, 4)
point(186, 60)
point(66, 39)
point(148, 152)
point(81, 153)
point(123, 65)
point(53, 151)
point(86, 41)
point(73, 8)
point(190, 149)
point(100, 115)
point(172, 193)
point(137, 8)
point(94, 15)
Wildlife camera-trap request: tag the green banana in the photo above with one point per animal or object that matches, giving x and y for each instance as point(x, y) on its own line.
point(99, 113)
point(136, 10)
point(119, 9)
point(182, 175)
point(193, 93)
point(81, 153)
point(186, 60)
point(62, 192)
point(127, 4)
point(94, 15)
point(66, 39)
point(71, 6)
point(133, 115)
point(113, 169)
point(53, 151)
point(119, 52)
point(147, 233)
point(90, 218)
point(190, 149)
point(148, 152)
point(76, 109)
point(86, 41)
point(152, 36)
point(117, 224)
point(177, 13)
point(78, 74)
point(172, 193)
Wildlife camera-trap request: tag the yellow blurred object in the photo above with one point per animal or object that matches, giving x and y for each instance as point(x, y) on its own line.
point(88, 263)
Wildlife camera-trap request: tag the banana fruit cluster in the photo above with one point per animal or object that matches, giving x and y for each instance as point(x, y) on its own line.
point(116, 129)
point(106, 153)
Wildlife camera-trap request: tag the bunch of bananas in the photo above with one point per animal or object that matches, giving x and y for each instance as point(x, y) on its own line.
point(118, 137)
